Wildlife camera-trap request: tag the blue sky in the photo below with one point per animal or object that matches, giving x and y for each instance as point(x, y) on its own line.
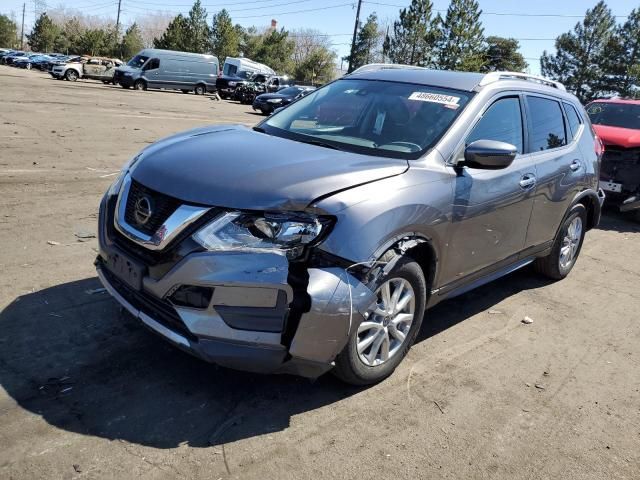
point(336, 17)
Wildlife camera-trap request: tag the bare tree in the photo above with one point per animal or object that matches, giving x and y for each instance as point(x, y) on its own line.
point(153, 25)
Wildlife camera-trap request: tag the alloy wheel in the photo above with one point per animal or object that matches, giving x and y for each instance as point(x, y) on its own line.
point(387, 322)
point(571, 243)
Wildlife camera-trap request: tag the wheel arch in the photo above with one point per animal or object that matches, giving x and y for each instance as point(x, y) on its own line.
point(591, 202)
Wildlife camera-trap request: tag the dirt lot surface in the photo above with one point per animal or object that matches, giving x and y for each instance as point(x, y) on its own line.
point(88, 393)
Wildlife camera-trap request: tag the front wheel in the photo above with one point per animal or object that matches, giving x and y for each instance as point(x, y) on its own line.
point(140, 85)
point(71, 75)
point(567, 246)
point(377, 346)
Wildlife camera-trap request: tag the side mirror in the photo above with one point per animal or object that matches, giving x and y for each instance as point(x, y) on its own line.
point(489, 154)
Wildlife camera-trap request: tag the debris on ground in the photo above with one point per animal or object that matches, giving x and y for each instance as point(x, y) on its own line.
point(52, 242)
point(76, 467)
point(93, 291)
point(539, 386)
point(84, 234)
point(439, 407)
point(495, 312)
point(527, 320)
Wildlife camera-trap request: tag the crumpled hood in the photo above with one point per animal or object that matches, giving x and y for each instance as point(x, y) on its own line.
point(623, 137)
point(236, 167)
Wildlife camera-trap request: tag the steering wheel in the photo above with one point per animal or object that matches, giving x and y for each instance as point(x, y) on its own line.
point(414, 147)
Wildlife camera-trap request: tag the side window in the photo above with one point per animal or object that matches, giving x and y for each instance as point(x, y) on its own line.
point(547, 124)
point(502, 122)
point(573, 118)
point(153, 64)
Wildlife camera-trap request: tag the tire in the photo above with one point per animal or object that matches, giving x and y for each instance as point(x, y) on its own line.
point(71, 75)
point(28, 66)
point(200, 89)
point(568, 242)
point(350, 365)
point(140, 85)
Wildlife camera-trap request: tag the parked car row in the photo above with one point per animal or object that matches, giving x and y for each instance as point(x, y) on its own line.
point(28, 60)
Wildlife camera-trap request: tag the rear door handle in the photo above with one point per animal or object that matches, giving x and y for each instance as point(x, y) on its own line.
point(575, 165)
point(527, 181)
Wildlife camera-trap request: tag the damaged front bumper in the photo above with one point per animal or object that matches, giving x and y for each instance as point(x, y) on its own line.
point(252, 311)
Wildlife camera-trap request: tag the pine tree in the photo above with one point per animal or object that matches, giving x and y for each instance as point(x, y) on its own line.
point(624, 64)
point(94, 41)
point(581, 57)
point(199, 33)
point(414, 36)
point(367, 42)
point(132, 42)
point(462, 45)
point(175, 37)
point(225, 38)
point(503, 55)
point(276, 50)
point(43, 35)
point(8, 32)
point(69, 39)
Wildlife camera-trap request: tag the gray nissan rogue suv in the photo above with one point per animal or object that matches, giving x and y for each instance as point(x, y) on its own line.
point(317, 239)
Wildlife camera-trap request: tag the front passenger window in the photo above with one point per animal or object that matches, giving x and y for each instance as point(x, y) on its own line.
point(502, 122)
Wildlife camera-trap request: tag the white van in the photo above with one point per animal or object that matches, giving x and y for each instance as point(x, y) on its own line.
point(234, 65)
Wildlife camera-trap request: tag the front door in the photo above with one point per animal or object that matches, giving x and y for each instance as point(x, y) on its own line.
point(491, 208)
point(152, 73)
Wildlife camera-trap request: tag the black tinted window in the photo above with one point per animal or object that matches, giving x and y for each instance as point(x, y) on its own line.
point(153, 64)
point(502, 122)
point(547, 124)
point(573, 118)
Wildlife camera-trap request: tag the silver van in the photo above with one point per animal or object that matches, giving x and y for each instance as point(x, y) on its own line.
point(168, 69)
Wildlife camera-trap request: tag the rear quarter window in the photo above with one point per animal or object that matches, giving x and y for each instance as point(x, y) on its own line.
point(546, 124)
point(573, 118)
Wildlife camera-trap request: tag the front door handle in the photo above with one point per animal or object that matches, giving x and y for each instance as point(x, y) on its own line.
point(528, 181)
point(575, 165)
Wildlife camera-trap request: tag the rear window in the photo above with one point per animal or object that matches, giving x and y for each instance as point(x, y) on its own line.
point(624, 115)
point(546, 124)
point(573, 118)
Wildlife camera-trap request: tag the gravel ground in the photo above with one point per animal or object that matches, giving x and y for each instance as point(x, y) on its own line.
point(88, 393)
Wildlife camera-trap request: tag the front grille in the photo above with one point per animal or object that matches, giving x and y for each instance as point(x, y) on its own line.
point(161, 311)
point(162, 206)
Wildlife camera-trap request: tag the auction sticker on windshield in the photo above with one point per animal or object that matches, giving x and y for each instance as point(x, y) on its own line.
point(448, 100)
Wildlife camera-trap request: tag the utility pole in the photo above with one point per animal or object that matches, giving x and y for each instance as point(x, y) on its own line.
point(24, 6)
point(118, 27)
point(353, 41)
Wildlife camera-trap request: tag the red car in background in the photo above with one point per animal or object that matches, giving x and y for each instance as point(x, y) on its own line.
point(617, 123)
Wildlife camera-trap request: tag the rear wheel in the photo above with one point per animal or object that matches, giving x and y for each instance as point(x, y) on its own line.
point(377, 346)
point(566, 247)
point(71, 75)
point(140, 85)
point(200, 89)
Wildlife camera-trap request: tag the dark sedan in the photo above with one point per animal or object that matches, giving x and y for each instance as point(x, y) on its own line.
point(268, 102)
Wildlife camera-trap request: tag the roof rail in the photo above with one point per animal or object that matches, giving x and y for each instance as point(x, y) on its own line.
point(492, 77)
point(386, 66)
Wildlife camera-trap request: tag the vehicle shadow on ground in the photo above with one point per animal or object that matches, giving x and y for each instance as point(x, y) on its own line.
point(70, 356)
point(613, 220)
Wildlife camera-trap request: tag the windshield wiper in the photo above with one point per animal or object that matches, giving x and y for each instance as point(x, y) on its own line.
point(319, 143)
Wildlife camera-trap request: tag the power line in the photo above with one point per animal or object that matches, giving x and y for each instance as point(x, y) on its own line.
point(506, 14)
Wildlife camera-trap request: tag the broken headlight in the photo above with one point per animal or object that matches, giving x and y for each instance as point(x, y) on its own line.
point(278, 233)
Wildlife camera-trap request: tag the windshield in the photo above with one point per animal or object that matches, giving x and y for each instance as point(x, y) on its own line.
point(290, 91)
point(244, 74)
point(137, 61)
point(624, 115)
point(398, 120)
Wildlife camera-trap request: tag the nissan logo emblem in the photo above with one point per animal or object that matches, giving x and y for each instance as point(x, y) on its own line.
point(143, 210)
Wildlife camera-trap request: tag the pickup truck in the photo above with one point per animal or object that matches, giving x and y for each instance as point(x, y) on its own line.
point(95, 68)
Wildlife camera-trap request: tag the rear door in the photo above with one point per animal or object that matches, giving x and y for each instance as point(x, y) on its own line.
point(559, 163)
point(491, 208)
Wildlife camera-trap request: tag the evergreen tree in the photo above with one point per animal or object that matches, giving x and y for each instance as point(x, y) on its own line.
point(414, 36)
point(366, 47)
point(462, 44)
point(132, 42)
point(175, 37)
point(250, 42)
point(225, 38)
point(43, 35)
point(8, 32)
point(276, 50)
point(503, 55)
point(69, 39)
point(317, 67)
point(624, 64)
point(199, 33)
point(581, 55)
point(94, 41)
